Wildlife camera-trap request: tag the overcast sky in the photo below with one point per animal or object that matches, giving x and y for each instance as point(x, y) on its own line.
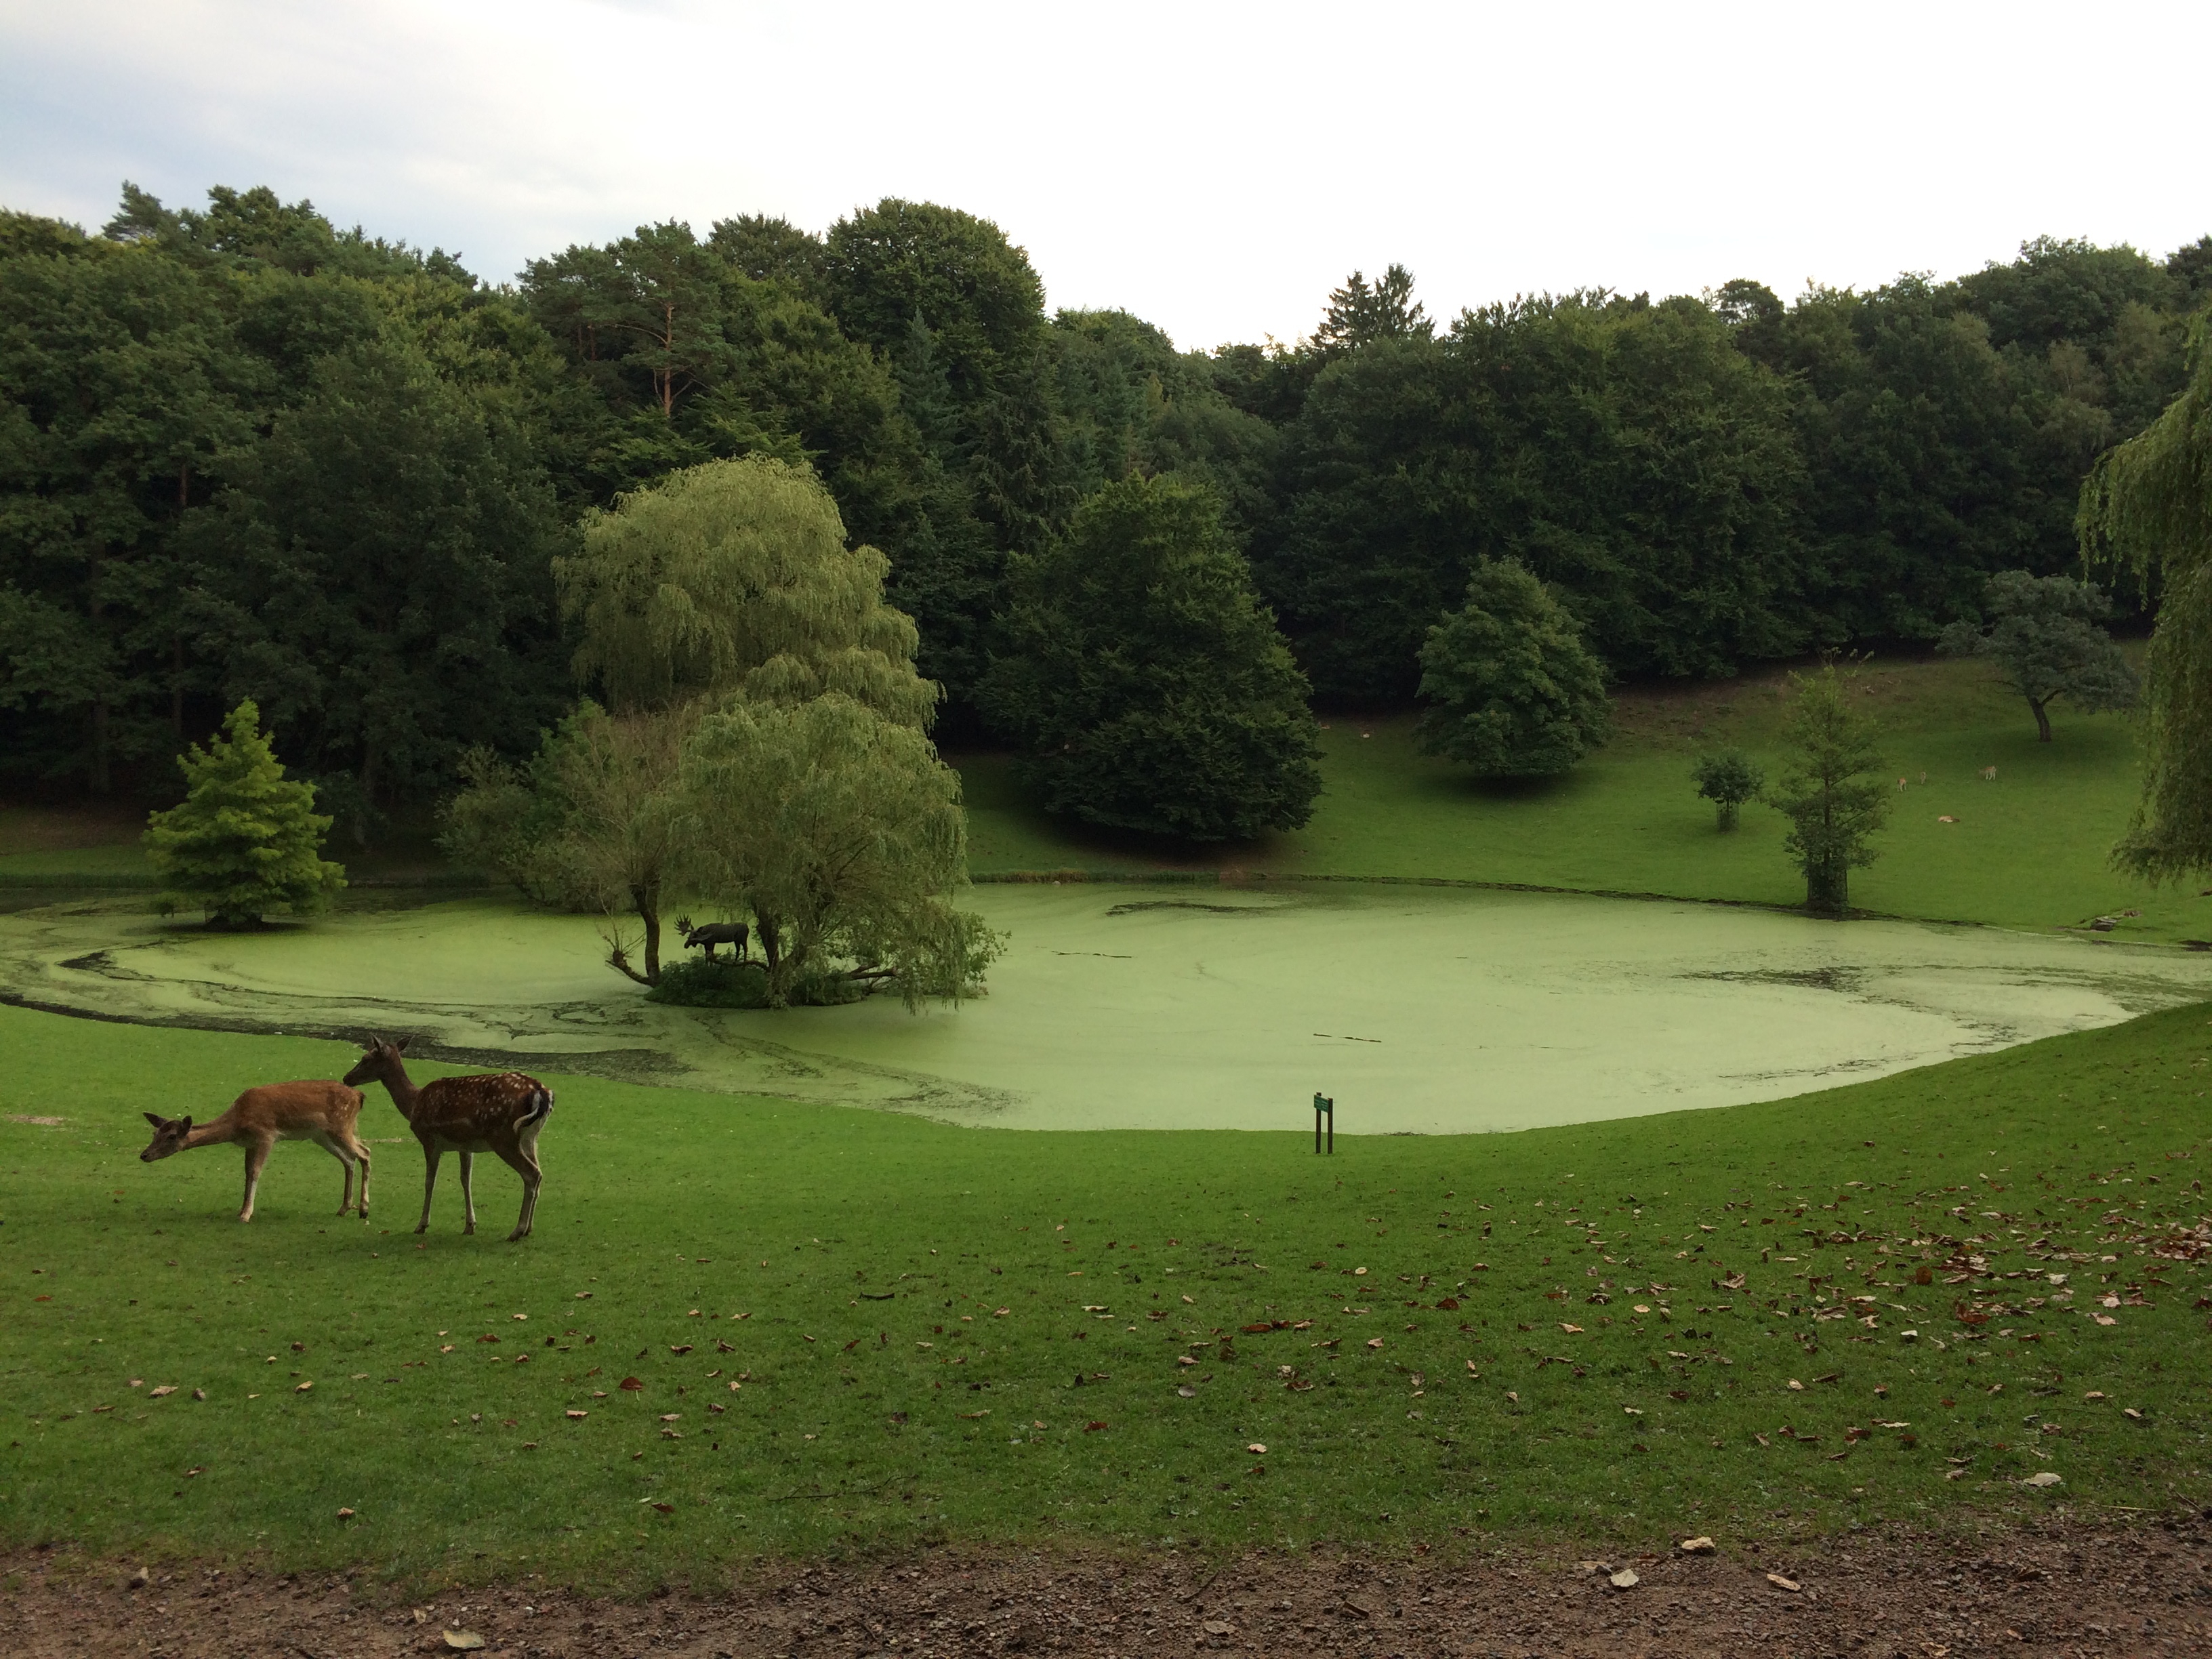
point(1214, 168)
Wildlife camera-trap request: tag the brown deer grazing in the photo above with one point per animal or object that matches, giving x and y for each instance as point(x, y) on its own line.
point(322, 1112)
point(499, 1112)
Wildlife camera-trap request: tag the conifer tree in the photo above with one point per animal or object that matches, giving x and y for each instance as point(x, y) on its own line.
point(1828, 790)
point(244, 841)
point(1513, 691)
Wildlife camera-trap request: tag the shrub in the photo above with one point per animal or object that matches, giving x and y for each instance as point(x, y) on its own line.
point(1728, 780)
point(720, 983)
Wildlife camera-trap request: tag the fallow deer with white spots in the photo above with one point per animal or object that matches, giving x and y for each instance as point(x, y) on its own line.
point(497, 1112)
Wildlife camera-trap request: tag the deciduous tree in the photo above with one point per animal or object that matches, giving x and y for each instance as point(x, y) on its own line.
point(588, 824)
point(735, 577)
point(841, 832)
point(2147, 506)
point(2046, 637)
point(1728, 779)
point(1144, 681)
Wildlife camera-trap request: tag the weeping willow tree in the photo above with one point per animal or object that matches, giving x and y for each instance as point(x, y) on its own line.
point(735, 578)
point(2147, 506)
point(724, 585)
point(841, 833)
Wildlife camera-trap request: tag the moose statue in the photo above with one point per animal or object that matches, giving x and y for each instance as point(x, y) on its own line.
point(731, 933)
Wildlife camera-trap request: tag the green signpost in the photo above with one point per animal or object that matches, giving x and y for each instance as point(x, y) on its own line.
point(1325, 1107)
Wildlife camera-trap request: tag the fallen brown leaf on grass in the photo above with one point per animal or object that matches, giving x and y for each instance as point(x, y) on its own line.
point(631, 1384)
point(578, 1416)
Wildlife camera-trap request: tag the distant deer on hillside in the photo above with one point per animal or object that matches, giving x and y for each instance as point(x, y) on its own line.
point(322, 1112)
point(731, 933)
point(498, 1112)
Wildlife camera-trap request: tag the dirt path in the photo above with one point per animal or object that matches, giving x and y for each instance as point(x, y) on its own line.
point(2145, 1590)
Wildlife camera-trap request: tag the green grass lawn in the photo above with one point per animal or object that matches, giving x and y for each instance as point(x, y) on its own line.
point(985, 1336)
point(2029, 849)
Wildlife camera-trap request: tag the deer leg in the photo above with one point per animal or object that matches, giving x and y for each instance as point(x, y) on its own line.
point(330, 1144)
point(468, 1190)
point(523, 1161)
point(431, 1154)
point(256, 1155)
point(360, 1153)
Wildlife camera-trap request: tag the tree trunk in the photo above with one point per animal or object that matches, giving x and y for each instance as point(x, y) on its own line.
point(647, 900)
point(2042, 718)
point(368, 798)
point(96, 607)
point(99, 771)
point(1726, 810)
point(1828, 886)
point(771, 938)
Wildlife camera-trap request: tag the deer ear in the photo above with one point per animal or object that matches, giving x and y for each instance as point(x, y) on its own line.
point(400, 1047)
point(159, 1123)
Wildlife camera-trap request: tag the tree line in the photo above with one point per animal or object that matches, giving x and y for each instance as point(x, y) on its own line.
point(246, 454)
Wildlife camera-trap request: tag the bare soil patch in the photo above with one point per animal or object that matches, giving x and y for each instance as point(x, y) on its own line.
point(2062, 1589)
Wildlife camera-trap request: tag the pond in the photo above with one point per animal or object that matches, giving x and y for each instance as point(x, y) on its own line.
point(1420, 1010)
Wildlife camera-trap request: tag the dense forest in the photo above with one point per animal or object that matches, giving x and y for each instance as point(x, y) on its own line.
point(245, 454)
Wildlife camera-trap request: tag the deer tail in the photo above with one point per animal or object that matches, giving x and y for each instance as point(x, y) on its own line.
point(537, 1106)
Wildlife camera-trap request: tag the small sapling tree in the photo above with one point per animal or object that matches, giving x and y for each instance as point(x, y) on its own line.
point(244, 841)
point(1513, 691)
point(2046, 637)
point(1828, 791)
point(1728, 780)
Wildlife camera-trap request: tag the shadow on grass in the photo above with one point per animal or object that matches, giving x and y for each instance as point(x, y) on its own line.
point(988, 784)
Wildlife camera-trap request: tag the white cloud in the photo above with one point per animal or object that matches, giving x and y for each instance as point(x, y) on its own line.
point(1215, 169)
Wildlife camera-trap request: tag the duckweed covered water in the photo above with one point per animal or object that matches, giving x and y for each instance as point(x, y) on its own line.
point(1418, 1010)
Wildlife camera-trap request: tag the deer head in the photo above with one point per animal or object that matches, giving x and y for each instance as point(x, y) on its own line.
point(169, 1136)
point(379, 1060)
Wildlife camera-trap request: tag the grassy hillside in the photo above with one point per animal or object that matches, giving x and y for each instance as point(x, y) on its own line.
point(2029, 849)
point(745, 1326)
